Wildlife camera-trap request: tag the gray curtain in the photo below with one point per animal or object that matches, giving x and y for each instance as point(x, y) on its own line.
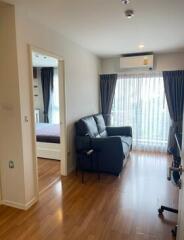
point(174, 90)
point(107, 90)
point(47, 75)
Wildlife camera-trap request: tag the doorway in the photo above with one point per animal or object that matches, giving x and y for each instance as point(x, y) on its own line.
point(48, 101)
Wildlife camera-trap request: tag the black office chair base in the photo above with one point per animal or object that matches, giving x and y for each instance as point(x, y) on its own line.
point(174, 231)
point(173, 210)
point(164, 208)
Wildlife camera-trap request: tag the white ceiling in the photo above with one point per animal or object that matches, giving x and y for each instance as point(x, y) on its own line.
point(40, 60)
point(100, 25)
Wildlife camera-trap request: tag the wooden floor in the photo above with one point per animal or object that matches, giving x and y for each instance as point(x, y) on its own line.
point(123, 208)
point(48, 172)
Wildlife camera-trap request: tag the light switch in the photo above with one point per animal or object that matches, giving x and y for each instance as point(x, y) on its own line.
point(11, 164)
point(26, 119)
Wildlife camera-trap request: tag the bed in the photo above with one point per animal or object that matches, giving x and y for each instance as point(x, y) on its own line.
point(48, 141)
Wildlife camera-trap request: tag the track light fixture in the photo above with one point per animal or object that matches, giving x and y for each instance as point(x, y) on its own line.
point(125, 1)
point(129, 13)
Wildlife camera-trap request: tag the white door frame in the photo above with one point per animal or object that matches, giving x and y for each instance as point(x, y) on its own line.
point(180, 230)
point(62, 104)
point(1, 194)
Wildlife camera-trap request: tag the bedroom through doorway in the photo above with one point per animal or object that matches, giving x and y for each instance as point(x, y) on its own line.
point(47, 119)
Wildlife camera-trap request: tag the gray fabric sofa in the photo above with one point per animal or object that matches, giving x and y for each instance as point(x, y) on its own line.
point(110, 145)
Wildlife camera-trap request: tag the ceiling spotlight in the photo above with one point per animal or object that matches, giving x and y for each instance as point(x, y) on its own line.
point(141, 46)
point(125, 1)
point(129, 13)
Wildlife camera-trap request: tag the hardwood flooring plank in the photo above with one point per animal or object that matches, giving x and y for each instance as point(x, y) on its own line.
point(48, 172)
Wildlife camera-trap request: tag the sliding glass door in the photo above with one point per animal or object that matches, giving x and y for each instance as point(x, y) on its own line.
point(140, 102)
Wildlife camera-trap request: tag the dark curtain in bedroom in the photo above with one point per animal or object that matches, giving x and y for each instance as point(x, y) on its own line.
point(107, 91)
point(174, 91)
point(47, 75)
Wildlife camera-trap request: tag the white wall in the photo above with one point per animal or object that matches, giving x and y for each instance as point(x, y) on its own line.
point(10, 119)
point(81, 78)
point(169, 61)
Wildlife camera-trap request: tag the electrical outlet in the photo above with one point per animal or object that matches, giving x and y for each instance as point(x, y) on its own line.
point(11, 164)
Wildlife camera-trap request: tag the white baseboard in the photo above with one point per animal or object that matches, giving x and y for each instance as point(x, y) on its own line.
point(13, 204)
point(31, 203)
point(20, 206)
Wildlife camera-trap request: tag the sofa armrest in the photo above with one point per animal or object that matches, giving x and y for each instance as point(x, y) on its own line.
point(109, 152)
point(119, 131)
point(82, 143)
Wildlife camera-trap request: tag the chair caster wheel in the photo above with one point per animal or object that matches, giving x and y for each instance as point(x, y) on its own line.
point(174, 232)
point(160, 212)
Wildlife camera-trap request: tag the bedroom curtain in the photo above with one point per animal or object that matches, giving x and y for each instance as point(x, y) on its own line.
point(140, 102)
point(174, 91)
point(107, 90)
point(54, 117)
point(47, 86)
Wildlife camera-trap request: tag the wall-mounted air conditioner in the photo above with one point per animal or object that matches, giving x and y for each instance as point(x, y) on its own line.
point(130, 61)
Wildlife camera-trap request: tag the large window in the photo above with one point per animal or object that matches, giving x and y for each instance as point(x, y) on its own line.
point(140, 102)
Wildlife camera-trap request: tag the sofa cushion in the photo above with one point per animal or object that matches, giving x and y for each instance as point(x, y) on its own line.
point(126, 149)
point(100, 125)
point(127, 140)
point(103, 134)
point(87, 126)
point(127, 143)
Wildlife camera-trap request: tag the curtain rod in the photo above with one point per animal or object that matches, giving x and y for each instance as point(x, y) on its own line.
point(136, 72)
point(141, 72)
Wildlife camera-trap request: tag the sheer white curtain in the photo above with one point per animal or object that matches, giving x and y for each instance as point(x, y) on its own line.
point(54, 100)
point(140, 102)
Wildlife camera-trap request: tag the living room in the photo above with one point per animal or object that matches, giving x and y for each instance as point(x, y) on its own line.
point(98, 41)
